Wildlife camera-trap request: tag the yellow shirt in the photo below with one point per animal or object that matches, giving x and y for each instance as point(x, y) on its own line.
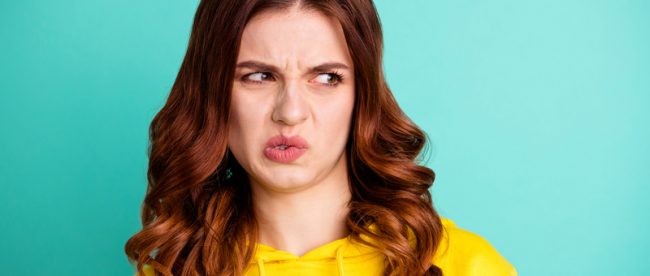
point(460, 253)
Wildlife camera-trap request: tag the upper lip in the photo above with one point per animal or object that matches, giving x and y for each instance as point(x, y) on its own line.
point(294, 141)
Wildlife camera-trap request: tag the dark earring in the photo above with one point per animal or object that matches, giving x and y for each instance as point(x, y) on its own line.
point(228, 173)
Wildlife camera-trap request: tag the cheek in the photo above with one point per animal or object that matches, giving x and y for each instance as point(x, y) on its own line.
point(241, 127)
point(248, 120)
point(336, 118)
point(345, 108)
point(240, 111)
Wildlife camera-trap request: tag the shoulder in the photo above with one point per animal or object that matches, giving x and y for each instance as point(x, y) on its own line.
point(462, 252)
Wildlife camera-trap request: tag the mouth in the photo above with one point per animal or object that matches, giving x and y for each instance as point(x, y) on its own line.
point(283, 142)
point(283, 149)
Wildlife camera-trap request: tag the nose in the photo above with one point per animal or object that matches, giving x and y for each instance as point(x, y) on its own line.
point(291, 107)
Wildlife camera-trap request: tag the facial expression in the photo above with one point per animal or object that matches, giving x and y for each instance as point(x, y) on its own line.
point(294, 76)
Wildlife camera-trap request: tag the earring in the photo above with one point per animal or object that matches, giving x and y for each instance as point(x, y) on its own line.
point(228, 173)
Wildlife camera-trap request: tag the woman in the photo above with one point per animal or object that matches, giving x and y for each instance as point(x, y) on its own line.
point(281, 151)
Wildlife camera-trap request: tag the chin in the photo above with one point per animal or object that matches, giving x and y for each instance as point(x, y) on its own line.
point(287, 182)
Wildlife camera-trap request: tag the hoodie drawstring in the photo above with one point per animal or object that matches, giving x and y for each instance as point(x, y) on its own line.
point(260, 266)
point(339, 260)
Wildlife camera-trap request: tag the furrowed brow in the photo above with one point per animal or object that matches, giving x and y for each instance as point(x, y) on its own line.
point(261, 66)
point(257, 66)
point(328, 67)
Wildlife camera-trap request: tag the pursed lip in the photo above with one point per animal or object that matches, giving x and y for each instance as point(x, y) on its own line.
point(290, 141)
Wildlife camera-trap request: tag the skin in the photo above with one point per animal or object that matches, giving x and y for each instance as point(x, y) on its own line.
point(303, 204)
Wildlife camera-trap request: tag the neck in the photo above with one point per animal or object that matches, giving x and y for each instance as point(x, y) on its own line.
point(299, 221)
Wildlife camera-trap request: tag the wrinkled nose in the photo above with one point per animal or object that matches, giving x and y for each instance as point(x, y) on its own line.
point(290, 106)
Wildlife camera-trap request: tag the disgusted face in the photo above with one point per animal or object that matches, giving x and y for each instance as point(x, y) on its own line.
point(292, 100)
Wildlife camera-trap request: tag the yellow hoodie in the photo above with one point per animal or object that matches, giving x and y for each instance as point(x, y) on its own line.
point(460, 253)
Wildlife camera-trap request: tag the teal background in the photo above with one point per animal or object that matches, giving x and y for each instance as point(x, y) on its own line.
point(538, 114)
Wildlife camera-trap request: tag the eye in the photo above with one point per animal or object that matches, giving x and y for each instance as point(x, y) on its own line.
point(257, 77)
point(330, 79)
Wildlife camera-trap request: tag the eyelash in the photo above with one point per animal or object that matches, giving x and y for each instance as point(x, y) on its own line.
point(336, 75)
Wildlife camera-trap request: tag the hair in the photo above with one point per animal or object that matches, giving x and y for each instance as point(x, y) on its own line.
point(199, 220)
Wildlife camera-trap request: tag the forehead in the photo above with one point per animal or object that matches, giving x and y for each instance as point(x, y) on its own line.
point(294, 35)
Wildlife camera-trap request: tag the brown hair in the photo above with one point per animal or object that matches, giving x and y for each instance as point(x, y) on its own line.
point(197, 221)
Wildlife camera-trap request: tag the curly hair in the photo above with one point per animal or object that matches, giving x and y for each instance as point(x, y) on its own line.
point(197, 220)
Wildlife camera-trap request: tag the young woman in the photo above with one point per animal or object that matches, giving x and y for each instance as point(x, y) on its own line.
point(281, 151)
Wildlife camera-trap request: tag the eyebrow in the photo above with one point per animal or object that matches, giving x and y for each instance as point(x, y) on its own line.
point(261, 66)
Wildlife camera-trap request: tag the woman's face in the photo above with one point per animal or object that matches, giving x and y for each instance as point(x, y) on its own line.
point(287, 83)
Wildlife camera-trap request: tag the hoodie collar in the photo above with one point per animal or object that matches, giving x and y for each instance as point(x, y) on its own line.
point(344, 248)
point(339, 250)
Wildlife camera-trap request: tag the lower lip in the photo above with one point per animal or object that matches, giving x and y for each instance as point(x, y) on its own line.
point(287, 155)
